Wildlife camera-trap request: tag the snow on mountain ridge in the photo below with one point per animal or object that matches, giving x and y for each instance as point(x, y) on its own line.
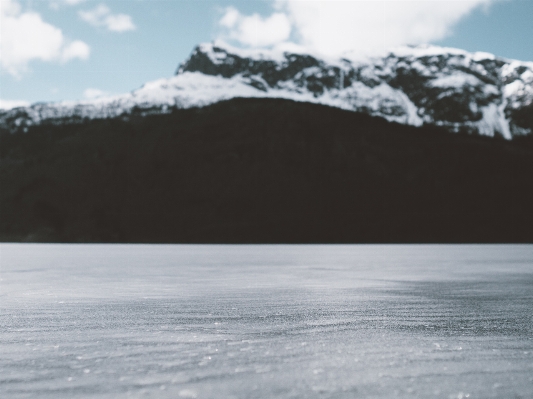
point(473, 92)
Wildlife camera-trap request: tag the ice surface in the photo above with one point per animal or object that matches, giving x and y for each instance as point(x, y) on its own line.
point(311, 321)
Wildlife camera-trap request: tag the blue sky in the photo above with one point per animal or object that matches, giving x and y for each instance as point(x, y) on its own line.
point(113, 46)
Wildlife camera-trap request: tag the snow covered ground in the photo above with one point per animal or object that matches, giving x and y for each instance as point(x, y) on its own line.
point(222, 321)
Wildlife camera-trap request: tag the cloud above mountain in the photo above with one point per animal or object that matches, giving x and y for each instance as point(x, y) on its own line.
point(26, 37)
point(101, 15)
point(254, 30)
point(362, 26)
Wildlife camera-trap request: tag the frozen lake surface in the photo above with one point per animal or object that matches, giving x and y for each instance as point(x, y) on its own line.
point(310, 321)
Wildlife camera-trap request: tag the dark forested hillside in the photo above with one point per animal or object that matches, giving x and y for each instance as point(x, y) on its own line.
point(262, 170)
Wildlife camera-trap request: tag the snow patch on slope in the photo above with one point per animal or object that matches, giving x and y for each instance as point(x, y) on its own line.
point(494, 121)
point(456, 80)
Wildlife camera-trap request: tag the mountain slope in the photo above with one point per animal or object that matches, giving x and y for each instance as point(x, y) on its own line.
point(263, 170)
point(476, 93)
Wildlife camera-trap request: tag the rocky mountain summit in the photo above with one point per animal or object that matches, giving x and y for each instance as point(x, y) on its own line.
point(476, 93)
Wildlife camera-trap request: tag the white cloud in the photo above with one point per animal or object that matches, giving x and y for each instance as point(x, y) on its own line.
point(75, 49)
point(363, 26)
point(92, 93)
point(255, 30)
point(102, 16)
point(230, 18)
point(26, 37)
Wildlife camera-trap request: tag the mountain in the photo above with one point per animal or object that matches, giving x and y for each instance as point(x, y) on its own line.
point(262, 171)
point(476, 93)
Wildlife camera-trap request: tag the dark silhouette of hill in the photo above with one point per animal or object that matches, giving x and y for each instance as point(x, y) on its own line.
point(262, 171)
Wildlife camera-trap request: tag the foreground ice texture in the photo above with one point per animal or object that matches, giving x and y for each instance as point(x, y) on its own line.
point(383, 321)
point(460, 91)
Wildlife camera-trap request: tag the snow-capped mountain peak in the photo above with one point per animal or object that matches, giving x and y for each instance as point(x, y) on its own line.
point(460, 91)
